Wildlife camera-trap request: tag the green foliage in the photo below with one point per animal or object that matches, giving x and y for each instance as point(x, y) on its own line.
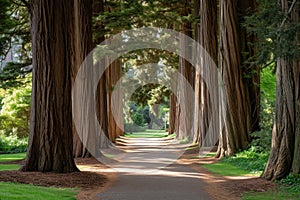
point(12, 73)
point(12, 144)
point(6, 25)
point(282, 193)
point(268, 98)
point(16, 191)
point(15, 112)
point(289, 188)
point(292, 183)
point(252, 160)
point(130, 128)
point(261, 140)
point(276, 32)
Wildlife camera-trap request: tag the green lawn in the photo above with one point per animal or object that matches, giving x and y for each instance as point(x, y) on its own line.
point(12, 157)
point(13, 191)
point(225, 169)
point(148, 134)
point(283, 193)
point(5, 167)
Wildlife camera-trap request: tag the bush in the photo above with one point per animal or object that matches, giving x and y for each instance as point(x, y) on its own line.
point(251, 160)
point(15, 112)
point(12, 144)
point(129, 128)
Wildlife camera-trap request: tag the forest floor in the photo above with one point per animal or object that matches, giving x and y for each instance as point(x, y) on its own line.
point(98, 181)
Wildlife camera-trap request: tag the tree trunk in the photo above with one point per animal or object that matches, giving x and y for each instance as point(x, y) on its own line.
point(172, 116)
point(114, 73)
point(234, 136)
point(285, 157)
point(184, 98)
point(83, 45)
point(101, 93)
point(50, 142)
point(249, 67)
point(206, 33)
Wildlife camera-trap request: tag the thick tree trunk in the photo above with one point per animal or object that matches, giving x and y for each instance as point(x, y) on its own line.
point(234, 137)
point(101, 93)
point(206, 33)
point(114, 73)
point(184, 98)
point(83, 45)
point(50, 143)
point(285, 157)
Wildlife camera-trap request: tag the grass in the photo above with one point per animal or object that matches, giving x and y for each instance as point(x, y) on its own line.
point(5, 167)
point(147, 134)
point(225, 169)
point(16, 191)
point(12, 157)
point(248, 162)
point(281, 194)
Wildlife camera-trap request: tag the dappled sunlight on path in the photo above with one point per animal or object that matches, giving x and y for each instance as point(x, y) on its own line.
point(148, 170)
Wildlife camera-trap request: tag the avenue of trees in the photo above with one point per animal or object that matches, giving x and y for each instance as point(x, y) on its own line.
point(243, 37)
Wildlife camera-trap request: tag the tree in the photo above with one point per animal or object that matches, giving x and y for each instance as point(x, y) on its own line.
point(234, 136)
point(206, 33)
point(83, 44)
point(284, 157)
point(184, 110)
point(50, 143)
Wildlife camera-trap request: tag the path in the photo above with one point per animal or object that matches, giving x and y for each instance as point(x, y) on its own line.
point(147, 172)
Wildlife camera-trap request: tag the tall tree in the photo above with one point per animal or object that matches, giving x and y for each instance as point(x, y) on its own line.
point(285, 157)
point(184, 97)
point(50, 143)
point(113, 74)
point(206, 33)
point(83, 44)
point(235, 134)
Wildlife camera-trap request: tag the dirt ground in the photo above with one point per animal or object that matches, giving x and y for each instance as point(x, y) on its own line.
point(94, 179)
point(91, 180)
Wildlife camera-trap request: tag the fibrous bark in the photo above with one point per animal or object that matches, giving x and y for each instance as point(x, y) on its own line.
point(285, 156)
point(234, 136)
point(50, 142)
point(206, 33)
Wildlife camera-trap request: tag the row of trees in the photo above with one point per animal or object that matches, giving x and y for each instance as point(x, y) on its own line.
point(232, 32)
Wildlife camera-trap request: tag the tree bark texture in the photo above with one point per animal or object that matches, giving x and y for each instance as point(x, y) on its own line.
point(206, 33)
point(234, 136)
point(285, 152)
point(184, 112)
point(114, 73)
point(50, 142)
point(83, 40)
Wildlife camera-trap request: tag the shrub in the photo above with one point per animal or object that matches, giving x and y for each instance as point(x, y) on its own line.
point(12, 144)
